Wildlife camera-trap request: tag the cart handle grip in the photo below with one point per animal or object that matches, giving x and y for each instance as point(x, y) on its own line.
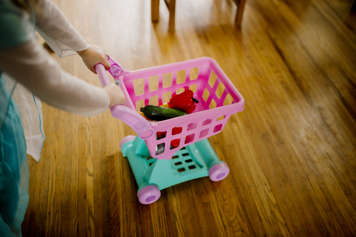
point(129, 116)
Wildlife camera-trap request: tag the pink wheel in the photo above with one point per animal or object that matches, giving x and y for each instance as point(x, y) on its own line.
point(148, 194)
point(126, 139)
point(218, 172)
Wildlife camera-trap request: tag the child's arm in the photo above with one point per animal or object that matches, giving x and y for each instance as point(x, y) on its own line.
point(30, 65)
point(60, 35)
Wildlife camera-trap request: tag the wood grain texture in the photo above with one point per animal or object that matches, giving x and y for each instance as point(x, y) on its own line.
point(292, 152)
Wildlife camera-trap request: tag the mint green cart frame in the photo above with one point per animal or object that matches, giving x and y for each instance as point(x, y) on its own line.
point(152, 175)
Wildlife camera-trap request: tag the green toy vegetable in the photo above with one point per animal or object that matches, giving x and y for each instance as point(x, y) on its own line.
point(160, 113)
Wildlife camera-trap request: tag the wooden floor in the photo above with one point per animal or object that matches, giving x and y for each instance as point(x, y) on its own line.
point(292, 151)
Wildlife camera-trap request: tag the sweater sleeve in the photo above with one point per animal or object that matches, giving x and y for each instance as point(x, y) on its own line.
point(57, 31)
point(30, 65)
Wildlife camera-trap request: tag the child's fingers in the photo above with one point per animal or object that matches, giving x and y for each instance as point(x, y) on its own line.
point(103, 60)
point(106, 63)
point(92, 56)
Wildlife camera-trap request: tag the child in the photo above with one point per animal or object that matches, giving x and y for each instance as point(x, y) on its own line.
point(24, 61)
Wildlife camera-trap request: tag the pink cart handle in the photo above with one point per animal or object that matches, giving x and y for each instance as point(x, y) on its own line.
point(129, 116)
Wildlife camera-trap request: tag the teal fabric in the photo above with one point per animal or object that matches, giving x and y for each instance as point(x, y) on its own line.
point(15, 26)
point(16, 29)
point(14, 174)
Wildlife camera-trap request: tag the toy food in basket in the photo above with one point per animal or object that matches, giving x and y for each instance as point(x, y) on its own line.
point(178, 105)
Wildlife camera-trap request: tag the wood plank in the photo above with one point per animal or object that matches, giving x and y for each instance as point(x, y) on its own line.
point(291, 152)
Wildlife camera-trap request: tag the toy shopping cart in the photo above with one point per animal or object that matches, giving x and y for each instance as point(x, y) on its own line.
point(165, 153)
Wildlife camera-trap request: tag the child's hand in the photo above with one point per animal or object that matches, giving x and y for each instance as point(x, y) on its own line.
point(115, 94)
point(92, 56)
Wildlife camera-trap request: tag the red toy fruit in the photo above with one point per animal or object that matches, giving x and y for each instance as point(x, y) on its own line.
point(175, 143)
point(161, 135)
point(183, 101)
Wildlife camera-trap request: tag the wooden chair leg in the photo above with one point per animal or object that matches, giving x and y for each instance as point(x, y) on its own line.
point(154, 10)
point(172, 15)
point(240, 11)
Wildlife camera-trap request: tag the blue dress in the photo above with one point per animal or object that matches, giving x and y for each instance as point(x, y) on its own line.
point(14, 173)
